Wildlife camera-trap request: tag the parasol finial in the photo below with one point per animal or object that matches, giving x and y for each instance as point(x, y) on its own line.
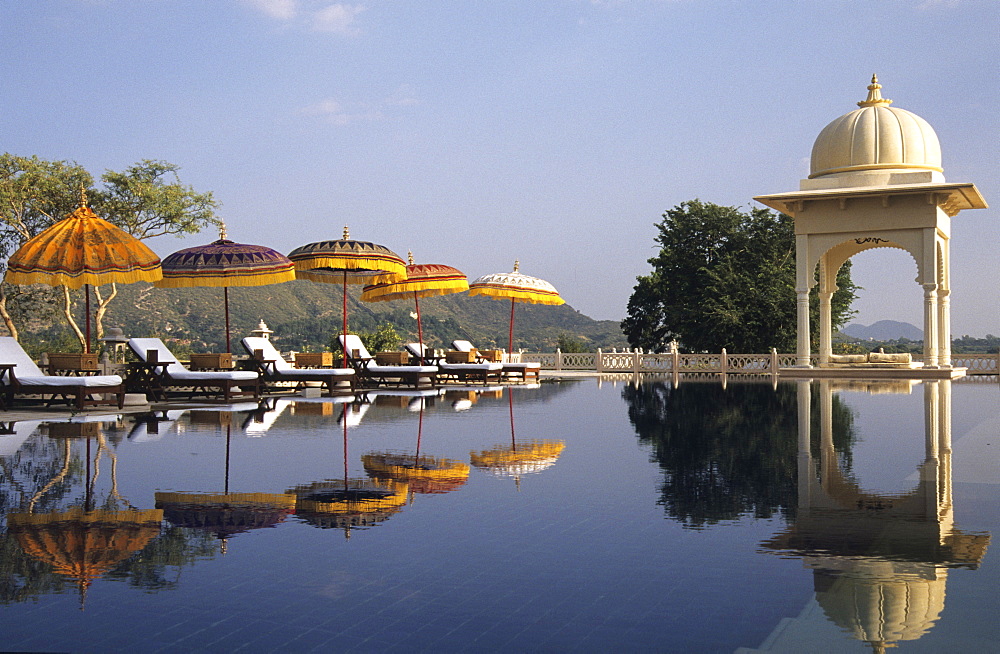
point(874, 98)
point(222, 230)
point(347, 235)
point(409, 257)
point(83, 196)
point(517, 265)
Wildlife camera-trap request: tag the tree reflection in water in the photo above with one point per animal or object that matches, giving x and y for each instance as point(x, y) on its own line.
point(46, 475)
point(728, 451)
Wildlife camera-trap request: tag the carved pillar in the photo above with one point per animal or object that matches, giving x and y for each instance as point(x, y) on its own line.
point(803, 282)
point(930, 326)
point(944, 328)
point(802, 349)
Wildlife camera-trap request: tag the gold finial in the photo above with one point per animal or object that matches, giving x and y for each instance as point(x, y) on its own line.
point(347, 234)
point(83, 196)
point(517, 265)
point(874, 98)
point(409, 256)
point(222, 230)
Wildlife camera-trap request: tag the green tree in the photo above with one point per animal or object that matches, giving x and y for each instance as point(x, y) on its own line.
point(146, 200)
point(34, 193)
point(724, 278)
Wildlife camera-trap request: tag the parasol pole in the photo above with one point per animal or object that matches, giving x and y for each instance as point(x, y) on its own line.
point(510, 337)
point(225, 295)
point(420, 329)
point(86, 294)
point(344, 332)
point(228, 439)
point(345, 447)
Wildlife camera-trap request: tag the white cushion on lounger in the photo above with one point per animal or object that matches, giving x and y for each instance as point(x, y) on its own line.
point(352, 342)
point(466, 346)
point(29, 374)
point(87, 382)
point(252, 343)
point(175, 370)
point(414, 349)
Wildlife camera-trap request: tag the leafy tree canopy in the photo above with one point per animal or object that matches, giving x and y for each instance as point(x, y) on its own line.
point(724, 278)
point(146, 199)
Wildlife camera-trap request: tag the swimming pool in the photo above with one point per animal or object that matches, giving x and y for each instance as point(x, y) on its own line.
point(569, 516)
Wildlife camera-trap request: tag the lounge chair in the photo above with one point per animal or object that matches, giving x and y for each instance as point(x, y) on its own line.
point(273, 368)
point(158, 370)
point(479, 370)
point(510, 370)
point(20, 376)
point(367, 370)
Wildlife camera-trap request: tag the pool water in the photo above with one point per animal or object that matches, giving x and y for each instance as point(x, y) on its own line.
point(567, 516)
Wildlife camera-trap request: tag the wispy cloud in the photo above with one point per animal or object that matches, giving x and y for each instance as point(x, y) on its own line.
point(334, 112)
point(279, 9)
point(337, 18)
point(314, 15)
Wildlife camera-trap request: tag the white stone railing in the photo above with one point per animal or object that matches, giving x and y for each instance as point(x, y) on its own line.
point(634, 361)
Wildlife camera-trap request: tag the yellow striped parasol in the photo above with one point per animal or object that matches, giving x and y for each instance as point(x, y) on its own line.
point(516, 287)
point(347, 262)
point(422, 280)
point(83, 249)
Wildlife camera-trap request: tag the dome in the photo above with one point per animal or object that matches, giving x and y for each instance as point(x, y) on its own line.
point(875, 137)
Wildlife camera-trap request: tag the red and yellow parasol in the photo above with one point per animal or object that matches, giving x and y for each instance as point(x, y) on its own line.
point(82, 250)
point(226, 264)
point(516, 287)
point(422, 280)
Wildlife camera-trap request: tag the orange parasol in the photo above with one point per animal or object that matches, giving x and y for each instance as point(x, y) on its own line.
point(81, 250)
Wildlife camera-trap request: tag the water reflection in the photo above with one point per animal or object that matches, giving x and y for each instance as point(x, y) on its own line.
point(520, 457)
point(880, 562)
point(422, 473)
point(725, 452)
point(82, 541)
point(224, 514)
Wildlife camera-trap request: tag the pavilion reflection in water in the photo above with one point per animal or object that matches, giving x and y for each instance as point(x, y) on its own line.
point(880, 562)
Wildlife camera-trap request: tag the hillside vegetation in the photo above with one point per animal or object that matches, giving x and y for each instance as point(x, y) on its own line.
point(305, 315)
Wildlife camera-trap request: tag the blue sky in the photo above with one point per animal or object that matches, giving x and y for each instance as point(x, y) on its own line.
point(473, 133)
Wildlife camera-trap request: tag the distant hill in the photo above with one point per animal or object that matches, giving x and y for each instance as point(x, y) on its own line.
point(884, 330)
point(306, 315)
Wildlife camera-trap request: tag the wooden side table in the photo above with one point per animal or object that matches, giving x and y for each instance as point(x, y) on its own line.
point(212, 361)
point(392, 358)
point(74, 364)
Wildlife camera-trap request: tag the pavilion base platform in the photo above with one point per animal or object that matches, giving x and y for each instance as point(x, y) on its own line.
point(872, 372)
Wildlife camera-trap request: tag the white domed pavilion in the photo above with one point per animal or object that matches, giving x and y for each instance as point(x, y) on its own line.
point(876, 181)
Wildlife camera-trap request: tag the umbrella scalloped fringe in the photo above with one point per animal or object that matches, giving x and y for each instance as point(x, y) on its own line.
point(229, 279)
point(516, 294)
point(429, 288)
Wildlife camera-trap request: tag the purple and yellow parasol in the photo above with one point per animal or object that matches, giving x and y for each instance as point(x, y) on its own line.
point(225, 263)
